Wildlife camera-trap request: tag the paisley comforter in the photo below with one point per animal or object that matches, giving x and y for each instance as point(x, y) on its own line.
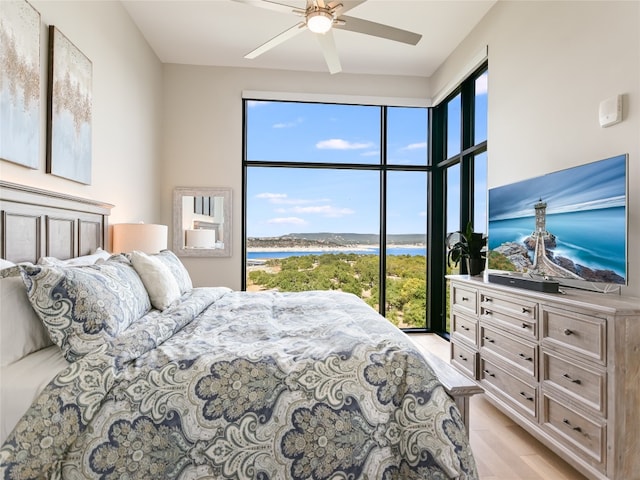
point(239, 385)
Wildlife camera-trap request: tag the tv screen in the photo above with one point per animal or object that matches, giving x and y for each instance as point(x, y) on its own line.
point(569, 225)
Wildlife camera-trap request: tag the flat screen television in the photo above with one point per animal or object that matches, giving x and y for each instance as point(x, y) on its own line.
point(569, 226)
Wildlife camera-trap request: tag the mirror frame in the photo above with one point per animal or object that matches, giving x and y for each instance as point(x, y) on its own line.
point(178, 233)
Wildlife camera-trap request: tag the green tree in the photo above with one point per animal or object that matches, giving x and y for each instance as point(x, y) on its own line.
point(357, 274)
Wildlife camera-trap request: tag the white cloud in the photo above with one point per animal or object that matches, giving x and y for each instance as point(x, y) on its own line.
point(287, 221)
point(340, 144)
point(295, 123)
point(415, 146)
point(272, 196)
point(325, 210)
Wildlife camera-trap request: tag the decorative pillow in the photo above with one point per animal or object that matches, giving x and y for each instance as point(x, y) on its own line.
point(177, 269)
point(84, 260)
point(21, 331)
point(160, 283)
point(83, 307)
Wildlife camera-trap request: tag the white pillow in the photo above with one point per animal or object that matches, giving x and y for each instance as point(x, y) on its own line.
point(5, 263)
point(158, 280)
point(178, 270)
point(81, 261)
point(21, 330)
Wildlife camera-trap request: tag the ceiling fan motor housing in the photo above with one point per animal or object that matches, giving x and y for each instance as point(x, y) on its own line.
point(319, 20)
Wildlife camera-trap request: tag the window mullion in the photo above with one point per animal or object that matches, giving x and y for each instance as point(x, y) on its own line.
point(382, 280)
point(436, 221)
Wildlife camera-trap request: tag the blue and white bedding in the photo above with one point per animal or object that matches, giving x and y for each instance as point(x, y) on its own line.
point(239, 385)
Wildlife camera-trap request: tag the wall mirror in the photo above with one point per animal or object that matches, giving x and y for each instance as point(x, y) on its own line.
point(202, 222)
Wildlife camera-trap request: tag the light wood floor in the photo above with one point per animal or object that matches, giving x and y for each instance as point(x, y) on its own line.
point(502, 449)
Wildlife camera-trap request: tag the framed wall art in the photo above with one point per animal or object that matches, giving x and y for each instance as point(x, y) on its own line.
point(20, 83)
point(69, 102)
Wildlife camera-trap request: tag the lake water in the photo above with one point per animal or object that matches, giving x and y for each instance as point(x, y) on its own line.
point(372, 251)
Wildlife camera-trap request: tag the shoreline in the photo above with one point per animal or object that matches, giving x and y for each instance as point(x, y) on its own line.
point(363, 248)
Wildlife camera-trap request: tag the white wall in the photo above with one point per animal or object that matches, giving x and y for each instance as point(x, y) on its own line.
point(202, 144)
point(550, 65)
point(126, 122)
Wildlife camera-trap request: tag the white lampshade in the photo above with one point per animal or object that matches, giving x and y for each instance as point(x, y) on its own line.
point(319, 21)
point(144, 237)
point(200, 238)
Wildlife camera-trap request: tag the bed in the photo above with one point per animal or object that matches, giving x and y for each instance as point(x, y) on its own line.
point(125, 370)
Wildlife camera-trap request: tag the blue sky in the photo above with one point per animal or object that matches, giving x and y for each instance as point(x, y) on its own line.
point(287, 200)
point(283, 200)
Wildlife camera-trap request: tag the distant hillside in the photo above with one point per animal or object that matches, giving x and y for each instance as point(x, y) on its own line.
point(326, 239)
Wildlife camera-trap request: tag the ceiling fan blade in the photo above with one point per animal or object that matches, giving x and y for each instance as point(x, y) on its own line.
point(269, 5)
point(277, 40)
point(359, 25)
point(346, 5)
point(330, 52)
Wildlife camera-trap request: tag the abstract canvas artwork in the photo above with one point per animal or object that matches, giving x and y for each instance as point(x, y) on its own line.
point(68, 110)
point(20, 83)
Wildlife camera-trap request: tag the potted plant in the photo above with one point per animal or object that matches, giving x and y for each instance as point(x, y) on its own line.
point(470, 246)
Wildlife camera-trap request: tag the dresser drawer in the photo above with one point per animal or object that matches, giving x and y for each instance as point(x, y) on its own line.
point(465, 327)
point(586, 385)
point(518, 325)
point(520, 353)
point(584, 335)
point(464, 299)
point(498, 380)
point(463, 359)
point(520, 308)
point(585, 436)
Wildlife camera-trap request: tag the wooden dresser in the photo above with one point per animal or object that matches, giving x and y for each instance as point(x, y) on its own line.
point(564, 366)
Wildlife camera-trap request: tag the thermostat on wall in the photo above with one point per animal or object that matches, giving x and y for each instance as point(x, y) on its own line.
point(611, 111)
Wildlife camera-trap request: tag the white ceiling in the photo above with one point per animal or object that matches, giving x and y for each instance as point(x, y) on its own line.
point(221, 32)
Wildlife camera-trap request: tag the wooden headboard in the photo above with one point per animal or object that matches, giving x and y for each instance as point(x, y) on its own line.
point(36, 223)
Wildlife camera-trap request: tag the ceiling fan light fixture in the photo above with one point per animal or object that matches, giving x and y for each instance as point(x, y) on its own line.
point(319, 21)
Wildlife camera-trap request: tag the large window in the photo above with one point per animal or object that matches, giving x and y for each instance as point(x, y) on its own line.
point(360, 198)
point(336, 198)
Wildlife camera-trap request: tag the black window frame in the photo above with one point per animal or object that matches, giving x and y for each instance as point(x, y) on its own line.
point(437, 268)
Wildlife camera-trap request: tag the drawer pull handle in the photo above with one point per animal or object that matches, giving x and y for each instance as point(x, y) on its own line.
point(488, 313)
point(527, 397)
point(488, 299)
point(489, 373)
point(490, 340)
point(465, 299)
point(575, 429)
point(464, 359)
point(464, 328)
point(568, 332)
point(528, 359)
point(577, 381)
point(525, 310)
point(526, 325)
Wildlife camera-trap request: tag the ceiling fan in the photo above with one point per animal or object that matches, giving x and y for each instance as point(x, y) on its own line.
point(321, 17)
